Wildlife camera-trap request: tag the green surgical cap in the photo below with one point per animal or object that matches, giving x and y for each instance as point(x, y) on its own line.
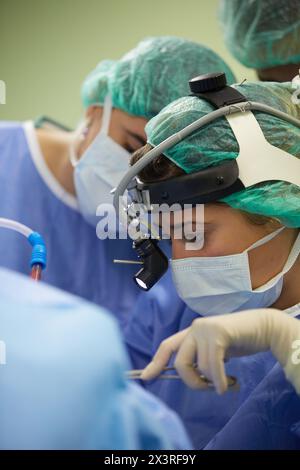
point(214, 143)
point(262, 33)
point(152, 75)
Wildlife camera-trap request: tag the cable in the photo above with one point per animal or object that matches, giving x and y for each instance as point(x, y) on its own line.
point(38, 259)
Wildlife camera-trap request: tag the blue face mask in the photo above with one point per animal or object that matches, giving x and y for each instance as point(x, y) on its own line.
point(99, 170)
point(222, 284)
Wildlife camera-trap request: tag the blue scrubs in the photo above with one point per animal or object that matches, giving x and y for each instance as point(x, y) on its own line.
point(78, 261)
point(203, 413)
point(62, 381)
point(268, 420)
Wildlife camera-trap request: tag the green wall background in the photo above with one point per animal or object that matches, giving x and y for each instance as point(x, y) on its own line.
point(47, 47)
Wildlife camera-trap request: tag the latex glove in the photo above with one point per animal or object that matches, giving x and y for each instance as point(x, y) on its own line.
point(209, 341)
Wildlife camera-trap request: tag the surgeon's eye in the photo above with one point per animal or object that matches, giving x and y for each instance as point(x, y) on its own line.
point(130, 149)
point(133, 141)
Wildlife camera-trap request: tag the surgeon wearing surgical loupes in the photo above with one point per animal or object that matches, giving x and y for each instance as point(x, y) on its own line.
point(42, 188)
point(236, 266)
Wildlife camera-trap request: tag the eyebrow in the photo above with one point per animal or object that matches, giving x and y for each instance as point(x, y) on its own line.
point(206, 224)
point(137, 137)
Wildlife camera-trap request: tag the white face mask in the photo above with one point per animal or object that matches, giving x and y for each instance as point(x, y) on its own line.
point(222, 284)
point(99, 170)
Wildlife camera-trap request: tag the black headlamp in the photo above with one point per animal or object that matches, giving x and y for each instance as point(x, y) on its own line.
point(155, 263)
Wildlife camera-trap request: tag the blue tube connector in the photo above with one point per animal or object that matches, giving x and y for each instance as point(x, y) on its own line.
point(39, 250)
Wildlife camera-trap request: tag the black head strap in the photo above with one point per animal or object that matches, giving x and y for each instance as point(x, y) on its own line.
point(201, 187)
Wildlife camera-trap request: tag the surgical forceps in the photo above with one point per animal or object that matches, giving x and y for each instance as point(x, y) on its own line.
point(136, 375)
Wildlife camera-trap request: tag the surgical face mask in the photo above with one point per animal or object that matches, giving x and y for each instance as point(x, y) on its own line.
point(99, 170)
point(222, 284)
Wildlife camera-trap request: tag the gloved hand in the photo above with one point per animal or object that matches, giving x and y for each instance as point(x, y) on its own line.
point(210, 341)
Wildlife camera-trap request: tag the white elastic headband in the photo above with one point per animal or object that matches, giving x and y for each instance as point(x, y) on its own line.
point(258, 160)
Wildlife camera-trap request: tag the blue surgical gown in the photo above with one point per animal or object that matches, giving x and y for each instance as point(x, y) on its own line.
point(78, 261)
point(160, 315)
point(268, 420)
point(62, 381)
